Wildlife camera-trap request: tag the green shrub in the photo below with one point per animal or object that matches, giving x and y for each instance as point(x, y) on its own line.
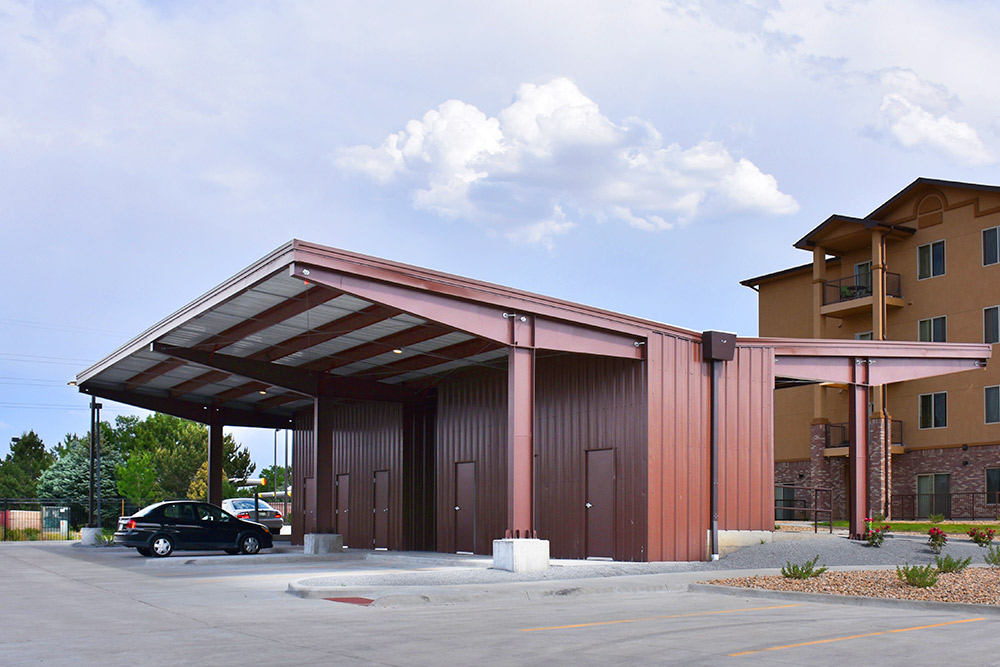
point(993, 556)
point(935, 518)
point(949, 564)
point(915, 575)
point(22, 535)
point(982, 537)
point(804, 571)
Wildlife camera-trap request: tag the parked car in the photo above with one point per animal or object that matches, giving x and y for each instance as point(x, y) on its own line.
point(159, 529)
point(243, 508)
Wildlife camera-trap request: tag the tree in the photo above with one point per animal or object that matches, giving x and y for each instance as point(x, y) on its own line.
point(69, 477)
point(173, 449)
point(199, 486)
point(20, 470)
point(137, 479)
point(275, 477)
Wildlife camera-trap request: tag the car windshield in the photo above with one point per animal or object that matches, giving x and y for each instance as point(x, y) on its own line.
point(247, 504)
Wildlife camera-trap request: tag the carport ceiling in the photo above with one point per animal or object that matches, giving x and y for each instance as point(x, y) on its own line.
point(261, 352)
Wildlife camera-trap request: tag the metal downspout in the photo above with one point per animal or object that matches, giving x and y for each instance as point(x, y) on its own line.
point(714, 454)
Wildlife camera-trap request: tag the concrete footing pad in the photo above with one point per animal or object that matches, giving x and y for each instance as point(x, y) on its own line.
point(521, 555)
point(323, 543)
point(91, 537)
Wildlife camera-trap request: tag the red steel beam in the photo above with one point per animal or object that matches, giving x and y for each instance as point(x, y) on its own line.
point(520, 441)
point(338, 327)
point(398, 340)
point(434, 358)
point(276, 314)
point(858, 460)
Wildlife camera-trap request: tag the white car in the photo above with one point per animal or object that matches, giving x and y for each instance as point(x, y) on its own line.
point(243, 508)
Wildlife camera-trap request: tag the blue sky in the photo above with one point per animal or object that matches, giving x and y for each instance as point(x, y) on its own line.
point(639, 156)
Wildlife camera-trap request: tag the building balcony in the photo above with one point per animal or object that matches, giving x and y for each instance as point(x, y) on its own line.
point(853, 294)
point(838, 438)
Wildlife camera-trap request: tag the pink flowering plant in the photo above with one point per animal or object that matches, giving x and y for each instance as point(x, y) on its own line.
point(875, 536)
point(936, 539)
point(982, 537)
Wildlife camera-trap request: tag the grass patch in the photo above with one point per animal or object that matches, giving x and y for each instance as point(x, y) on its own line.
point(923, 526)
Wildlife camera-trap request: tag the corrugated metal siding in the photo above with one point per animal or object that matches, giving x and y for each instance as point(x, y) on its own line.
point(746, 452)
point(582, 403)
point(472, 426)
point(678, 449)
point(679, 422)
point(368, 437)
point(302, 468)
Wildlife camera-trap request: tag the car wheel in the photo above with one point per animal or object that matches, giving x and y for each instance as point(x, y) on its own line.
point(232, 552)
point(162, 546)
point(144, 551)
point(250, 544)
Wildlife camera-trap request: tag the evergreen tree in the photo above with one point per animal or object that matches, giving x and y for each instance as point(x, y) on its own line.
point(69, 477)
point(20, 470)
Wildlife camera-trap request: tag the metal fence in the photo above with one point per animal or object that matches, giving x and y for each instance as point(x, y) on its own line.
point(951, 505)
point(803, 503)
point(23, 519)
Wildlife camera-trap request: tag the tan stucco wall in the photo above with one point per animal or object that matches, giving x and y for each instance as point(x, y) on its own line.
point(960, 294)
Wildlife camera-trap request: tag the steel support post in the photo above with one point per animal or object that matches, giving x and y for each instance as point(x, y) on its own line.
point(323, 463)
point(520, 441)
point(858, 426)
point(215, 439)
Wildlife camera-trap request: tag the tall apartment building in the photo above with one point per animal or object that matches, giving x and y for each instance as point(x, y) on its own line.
point(925, 266)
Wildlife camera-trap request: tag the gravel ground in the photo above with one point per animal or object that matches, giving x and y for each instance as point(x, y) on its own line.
point(976, 585)
point(980, 585)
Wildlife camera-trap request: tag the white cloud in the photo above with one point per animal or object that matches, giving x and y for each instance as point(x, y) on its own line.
point(552, 149)
point(913, 113)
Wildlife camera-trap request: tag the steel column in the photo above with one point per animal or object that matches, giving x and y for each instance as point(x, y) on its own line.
point(520, 441)
point(323, 463)
point(858, 427)
point(215, 439)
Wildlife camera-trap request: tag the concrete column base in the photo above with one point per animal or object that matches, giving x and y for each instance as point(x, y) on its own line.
point(90, 537)
point(323, 543)
point(521, 555)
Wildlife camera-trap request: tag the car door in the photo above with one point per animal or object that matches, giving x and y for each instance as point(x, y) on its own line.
point(180, 521)
point(218, 529)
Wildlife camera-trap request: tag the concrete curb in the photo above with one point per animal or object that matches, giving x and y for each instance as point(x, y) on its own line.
point(847, 600)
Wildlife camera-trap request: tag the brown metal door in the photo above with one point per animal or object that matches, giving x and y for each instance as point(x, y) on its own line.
point(343, 493)
point(600, 504)
point(465, 506)
point(381, 509)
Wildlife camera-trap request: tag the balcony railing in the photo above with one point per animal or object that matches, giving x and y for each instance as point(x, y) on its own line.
point(859, 286)
point(839, 435)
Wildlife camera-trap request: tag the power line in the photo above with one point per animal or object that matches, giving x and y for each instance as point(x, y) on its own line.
point(58, 327)
point(53, 406)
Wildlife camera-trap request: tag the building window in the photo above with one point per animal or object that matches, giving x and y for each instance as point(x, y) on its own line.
point(992, 486)
point(934, 495)
point(932, 330)
point(934, 410)
point(991, 324)
point(992, 399)
point(863, 335)
point(930, 260)
point(991, 246)
point(863, 278)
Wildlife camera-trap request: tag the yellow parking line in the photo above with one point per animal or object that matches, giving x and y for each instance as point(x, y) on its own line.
point(657, 618)
point(867, 634)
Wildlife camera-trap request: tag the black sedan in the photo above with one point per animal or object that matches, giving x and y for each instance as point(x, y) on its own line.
point(157, 530)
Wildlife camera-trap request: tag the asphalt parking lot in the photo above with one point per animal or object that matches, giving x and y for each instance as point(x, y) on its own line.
point(73, 605)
